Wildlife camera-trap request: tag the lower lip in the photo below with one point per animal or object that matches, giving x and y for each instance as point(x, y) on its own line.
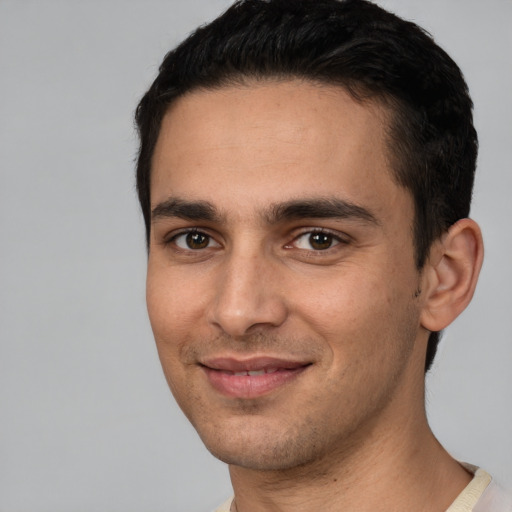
point(250, 386)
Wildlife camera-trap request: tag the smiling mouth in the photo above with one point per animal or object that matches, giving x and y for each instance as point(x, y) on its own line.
point(251, 378)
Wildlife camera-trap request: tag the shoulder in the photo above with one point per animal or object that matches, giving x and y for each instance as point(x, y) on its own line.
point(495, 498)
point(225, 507)
point(482, 494)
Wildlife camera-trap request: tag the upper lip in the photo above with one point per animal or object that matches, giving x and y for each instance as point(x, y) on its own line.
point(251, 364)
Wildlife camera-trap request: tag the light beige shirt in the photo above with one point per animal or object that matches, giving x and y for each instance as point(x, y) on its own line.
point(482, 494)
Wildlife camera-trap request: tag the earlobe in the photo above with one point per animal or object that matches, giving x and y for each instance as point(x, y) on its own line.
point(452, 274)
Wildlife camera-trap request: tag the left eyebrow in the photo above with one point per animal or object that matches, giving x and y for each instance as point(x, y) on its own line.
point(323, 208)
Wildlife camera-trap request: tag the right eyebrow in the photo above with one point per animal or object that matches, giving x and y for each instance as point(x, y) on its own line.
point(188, 210)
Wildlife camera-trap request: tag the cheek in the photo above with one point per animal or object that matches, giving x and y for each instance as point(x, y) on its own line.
point(344, 298)
point(173, 303)
point(172, 321)
point(358, 311)
point(173, 314)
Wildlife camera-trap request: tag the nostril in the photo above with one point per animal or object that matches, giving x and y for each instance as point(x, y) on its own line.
point(248, 316)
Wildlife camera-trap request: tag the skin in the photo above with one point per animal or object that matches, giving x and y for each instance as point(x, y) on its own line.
point(353, 310)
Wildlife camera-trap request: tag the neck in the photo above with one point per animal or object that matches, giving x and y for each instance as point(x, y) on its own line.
point(394, 469)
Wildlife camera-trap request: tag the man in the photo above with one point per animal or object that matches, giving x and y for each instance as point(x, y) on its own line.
point(305, 175)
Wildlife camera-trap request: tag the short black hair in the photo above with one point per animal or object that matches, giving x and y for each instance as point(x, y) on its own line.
point(355, 44)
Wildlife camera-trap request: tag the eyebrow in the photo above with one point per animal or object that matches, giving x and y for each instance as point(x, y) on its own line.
point(314, 208)
point(188, 210)
point(319, 208)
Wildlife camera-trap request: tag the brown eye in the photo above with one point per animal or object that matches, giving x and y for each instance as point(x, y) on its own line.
point(316, 241)
point(197, 240)
point(194, 241)
point(320, 241)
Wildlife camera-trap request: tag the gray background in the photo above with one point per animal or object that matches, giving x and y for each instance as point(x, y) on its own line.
point(87, 422)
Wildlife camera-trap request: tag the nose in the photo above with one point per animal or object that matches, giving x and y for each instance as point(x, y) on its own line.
point(248, 297)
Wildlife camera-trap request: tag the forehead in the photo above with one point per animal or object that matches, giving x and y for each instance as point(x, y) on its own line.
point(270, 142)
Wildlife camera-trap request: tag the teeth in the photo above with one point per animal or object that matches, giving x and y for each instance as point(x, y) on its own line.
point(257, 372)
point(252, 373)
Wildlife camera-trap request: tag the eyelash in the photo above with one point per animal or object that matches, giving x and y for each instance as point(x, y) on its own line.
point(186, 232)
point(336, 237)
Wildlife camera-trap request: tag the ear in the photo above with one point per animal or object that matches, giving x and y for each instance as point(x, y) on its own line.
point(451, 274)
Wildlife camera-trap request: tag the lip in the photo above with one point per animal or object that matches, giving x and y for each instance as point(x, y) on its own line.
point(253, 377)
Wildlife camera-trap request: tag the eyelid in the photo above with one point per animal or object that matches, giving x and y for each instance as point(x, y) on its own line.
point(171, 237)
point(341, 238)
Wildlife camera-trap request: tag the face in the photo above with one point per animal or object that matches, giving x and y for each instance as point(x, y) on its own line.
point(281, 277)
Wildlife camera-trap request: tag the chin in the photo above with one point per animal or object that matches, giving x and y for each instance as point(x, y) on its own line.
point(261, 449)
point(272, 458)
